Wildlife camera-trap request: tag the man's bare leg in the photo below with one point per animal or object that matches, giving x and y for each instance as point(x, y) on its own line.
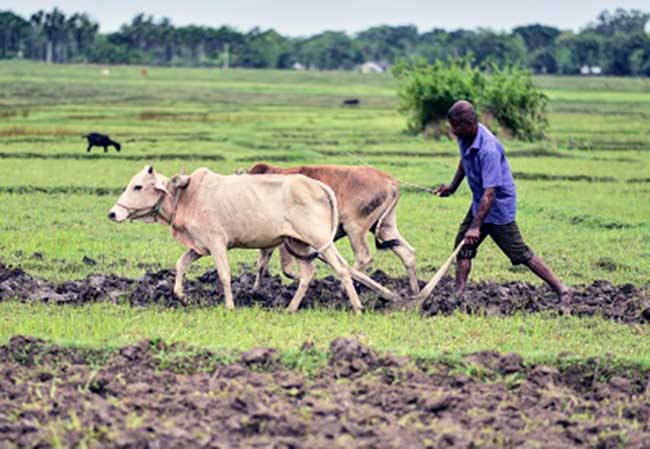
point(537, 266)
point(463, 267)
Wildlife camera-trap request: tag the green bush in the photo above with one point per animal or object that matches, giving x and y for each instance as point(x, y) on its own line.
point(427, 91)
point(513, 100)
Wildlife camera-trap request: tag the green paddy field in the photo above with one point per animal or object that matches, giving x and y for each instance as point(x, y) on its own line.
point(583, 200)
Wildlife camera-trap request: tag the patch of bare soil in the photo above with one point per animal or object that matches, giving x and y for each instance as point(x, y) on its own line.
point(626, 303)
point(131, 398)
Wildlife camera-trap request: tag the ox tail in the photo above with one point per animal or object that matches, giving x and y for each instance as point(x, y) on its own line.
point(388, 244)
point(334, 207)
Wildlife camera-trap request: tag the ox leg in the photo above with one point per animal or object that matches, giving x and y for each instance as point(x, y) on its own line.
point(307, 271)
point(287, 260)
point(406, 253)
point(223, 269)
point(341, 268)
point(88, 149)
point(359, 244)
point(262, 266)
point(181, 266)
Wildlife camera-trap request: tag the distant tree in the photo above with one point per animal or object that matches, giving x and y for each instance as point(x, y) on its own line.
point(13, 30)
point(433, 45)
point(540, 43)
point(500, 48)
point(621, 21)
point(330, 50)
point(387, 43)
point(266, 49)
point(537, 36)
point(639, 61)
point(83, 34)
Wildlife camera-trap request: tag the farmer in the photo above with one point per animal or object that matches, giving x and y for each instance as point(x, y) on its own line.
point(494, 200)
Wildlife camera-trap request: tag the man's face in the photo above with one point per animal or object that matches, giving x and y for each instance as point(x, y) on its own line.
point(464, 129)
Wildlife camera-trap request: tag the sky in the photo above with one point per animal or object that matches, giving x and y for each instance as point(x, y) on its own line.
point(305, 18)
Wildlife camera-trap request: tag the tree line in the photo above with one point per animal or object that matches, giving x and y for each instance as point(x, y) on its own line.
point(617, 42)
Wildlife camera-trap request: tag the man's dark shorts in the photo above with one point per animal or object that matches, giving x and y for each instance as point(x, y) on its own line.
point(507, 237)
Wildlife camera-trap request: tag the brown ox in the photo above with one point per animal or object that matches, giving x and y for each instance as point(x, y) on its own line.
point(367, 200)
point(210, 213)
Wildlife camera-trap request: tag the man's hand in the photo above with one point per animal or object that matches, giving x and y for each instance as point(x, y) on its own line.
point(472, 235)
point(444, 190)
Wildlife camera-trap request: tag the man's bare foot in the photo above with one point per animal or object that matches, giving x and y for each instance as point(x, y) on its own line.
point(566, 298)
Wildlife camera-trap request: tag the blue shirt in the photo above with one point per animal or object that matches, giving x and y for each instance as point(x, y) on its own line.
point(486, 166)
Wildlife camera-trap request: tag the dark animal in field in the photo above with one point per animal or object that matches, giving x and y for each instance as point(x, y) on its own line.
point(101, 140)
point(351, 102)
point(367, 200)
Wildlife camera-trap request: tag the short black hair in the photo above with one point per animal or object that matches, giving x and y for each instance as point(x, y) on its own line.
point(462, 112)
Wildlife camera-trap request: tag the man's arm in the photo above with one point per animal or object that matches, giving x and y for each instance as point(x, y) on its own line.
point(449, 189)
point(474, 231)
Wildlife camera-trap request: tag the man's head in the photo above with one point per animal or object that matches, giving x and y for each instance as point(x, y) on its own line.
point(463, 120)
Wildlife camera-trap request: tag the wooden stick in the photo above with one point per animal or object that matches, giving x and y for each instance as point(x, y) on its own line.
point(426, 291)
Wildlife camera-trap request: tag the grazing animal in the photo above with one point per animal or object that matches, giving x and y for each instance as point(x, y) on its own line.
point(106, 72)
point(210, 213)
point(143, 72)
point(352, 102)
point(367, 200)
point(101, 140)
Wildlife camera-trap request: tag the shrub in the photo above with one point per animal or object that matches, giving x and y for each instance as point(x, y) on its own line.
point(513, 100)
point(427, 91)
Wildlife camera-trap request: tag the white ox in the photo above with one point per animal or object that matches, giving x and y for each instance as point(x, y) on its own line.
point(211, 213)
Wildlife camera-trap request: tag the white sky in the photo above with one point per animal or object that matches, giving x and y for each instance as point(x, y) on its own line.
point(305, 17)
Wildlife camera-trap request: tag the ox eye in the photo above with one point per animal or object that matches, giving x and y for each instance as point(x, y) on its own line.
point(138, 187)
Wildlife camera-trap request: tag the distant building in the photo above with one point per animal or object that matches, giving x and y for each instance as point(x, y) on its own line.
point(591, 70)
point(371, 67)
point(596, 70)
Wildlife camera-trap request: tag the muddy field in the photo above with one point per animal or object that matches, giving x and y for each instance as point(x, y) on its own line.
point(133, 398)
point(625, 303)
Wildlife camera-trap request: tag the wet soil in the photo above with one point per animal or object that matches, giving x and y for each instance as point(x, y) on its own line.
point(135, 397)
point(626, 303)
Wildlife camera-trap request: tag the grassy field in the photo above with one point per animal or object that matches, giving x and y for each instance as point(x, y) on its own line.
point(583, 193)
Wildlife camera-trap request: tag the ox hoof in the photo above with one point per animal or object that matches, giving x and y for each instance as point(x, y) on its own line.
point(182, 297)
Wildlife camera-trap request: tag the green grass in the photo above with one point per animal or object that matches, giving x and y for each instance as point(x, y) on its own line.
point(56, 204)
point(533, 336)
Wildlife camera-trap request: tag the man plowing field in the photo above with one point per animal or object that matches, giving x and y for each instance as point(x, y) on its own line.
point(494, 200)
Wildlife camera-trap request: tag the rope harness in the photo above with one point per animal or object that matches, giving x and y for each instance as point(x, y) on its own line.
point(156, 210)
point(406, 183)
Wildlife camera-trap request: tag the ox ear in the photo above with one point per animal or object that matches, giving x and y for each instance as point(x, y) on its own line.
point(160, 185)
point(149, 169)
point(180, 181)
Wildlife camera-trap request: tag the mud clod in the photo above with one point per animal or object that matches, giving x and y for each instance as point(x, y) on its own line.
point(262, 357)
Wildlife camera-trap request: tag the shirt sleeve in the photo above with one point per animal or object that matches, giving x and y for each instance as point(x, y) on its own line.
point(491, 168)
